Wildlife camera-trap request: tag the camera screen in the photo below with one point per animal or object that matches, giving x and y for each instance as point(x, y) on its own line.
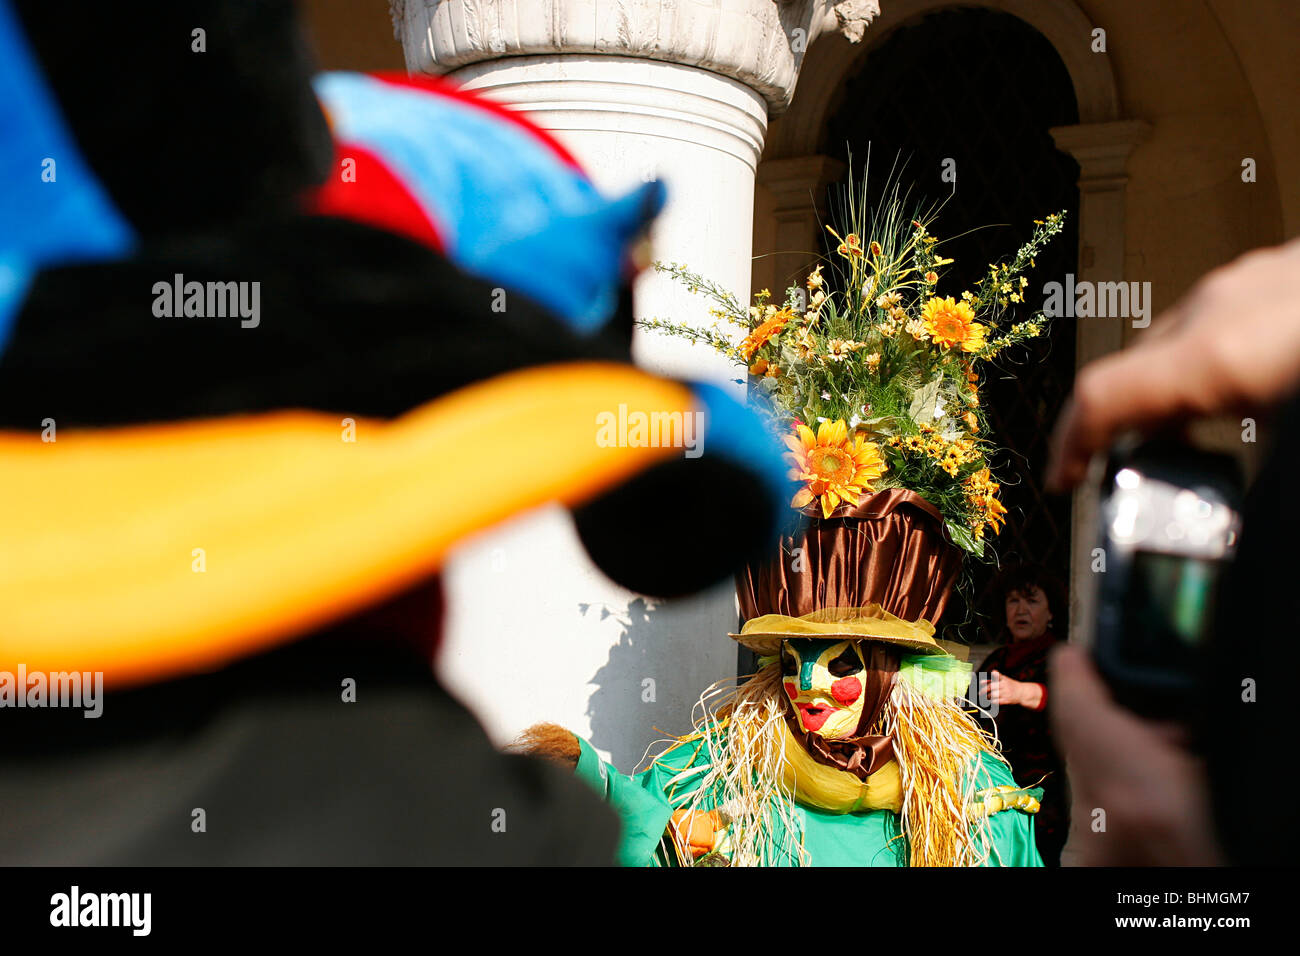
point(1169, 608)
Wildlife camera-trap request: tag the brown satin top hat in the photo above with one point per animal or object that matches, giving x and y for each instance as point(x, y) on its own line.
point(890, 550)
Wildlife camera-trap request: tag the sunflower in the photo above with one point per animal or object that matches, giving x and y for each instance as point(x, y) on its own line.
point(764, 333)
point(953, 323)
point(834, 466)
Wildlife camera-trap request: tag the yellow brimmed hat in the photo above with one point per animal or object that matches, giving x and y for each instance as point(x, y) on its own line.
point(763, 635)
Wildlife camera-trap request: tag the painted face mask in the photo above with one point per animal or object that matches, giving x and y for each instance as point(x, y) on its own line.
point(823, 679)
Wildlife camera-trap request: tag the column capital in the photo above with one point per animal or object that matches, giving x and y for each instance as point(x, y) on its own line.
point(760, 43)
point(1101, 149)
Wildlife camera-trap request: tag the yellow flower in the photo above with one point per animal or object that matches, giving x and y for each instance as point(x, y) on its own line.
point(764, 333)
point(982, 492)
point(873, 361)
point(981, 481)
point(837, 350)
point(833, 465)
point(889, 300)
point(815, 279)
point(932, 277)
point(805, 346)
point(953, 323)
point(995, 513)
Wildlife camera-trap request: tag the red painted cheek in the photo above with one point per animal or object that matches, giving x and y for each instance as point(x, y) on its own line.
point(846, 690)
point(791, 690)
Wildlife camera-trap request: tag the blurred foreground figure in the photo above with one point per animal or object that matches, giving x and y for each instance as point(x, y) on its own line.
point(1174, 796)
point(241, 429)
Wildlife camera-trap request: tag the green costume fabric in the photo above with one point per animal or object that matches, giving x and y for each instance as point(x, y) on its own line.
point(856, 839)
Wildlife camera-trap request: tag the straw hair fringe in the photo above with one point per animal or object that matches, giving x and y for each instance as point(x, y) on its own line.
point(936, 743)
point(741, 727)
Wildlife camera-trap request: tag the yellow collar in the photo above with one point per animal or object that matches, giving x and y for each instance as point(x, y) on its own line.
point(837, 791)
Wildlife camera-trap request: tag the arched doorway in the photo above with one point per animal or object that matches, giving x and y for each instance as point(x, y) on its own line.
point(977, 91)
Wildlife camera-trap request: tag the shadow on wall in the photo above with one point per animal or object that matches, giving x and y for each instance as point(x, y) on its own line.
point(637, 688)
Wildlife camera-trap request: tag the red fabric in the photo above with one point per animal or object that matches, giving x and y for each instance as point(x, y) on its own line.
point(1042, 704)
point(376, 198)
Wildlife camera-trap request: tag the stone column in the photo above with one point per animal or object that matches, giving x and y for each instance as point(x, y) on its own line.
point(636, 89)
point(1102, 151)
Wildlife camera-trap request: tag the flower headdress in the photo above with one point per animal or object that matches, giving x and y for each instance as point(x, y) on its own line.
point(875, 376)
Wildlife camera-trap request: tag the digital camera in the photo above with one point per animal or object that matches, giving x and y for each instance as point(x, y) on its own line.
point(1169, 524)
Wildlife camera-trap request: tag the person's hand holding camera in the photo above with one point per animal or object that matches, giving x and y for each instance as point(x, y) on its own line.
point(1232, 344)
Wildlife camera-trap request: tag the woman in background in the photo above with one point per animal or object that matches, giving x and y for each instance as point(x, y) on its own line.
point(1014, 678)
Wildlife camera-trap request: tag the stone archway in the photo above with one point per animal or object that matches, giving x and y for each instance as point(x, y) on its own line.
point(795, 171)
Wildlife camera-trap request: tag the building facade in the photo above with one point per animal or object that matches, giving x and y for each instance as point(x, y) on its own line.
point(1180, 128)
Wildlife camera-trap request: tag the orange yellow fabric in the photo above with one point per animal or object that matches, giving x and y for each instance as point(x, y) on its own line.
point(296, 526)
